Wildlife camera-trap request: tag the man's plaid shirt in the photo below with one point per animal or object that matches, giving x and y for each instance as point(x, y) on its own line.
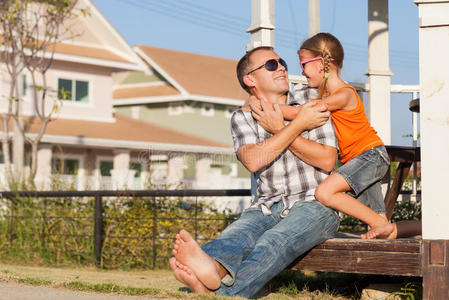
point(287, 178)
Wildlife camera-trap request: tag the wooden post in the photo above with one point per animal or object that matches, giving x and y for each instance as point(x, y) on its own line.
point(434, 114)
point(435, 268)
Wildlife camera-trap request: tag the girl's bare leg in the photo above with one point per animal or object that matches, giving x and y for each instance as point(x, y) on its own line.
point(331, 193)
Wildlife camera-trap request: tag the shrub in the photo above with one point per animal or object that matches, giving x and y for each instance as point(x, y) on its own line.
point(137, 232)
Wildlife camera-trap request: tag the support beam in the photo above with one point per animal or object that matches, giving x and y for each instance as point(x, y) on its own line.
point(43, 169)
point(314, 17)
point(176, 166)
point(122, 176)
point(202, 171)
point(379, 69)
point(434, 114)
point(262, 24)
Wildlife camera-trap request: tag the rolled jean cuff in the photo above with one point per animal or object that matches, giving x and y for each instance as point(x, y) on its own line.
point(229, 278)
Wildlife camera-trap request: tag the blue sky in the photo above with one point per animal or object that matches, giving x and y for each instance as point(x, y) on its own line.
point(218, 28)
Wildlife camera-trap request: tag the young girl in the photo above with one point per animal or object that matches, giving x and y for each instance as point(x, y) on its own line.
point(362, 153)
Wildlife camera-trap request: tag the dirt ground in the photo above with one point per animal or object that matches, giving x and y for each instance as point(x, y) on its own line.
point(137, 279)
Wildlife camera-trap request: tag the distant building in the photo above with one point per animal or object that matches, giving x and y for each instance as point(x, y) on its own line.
point(176, 136)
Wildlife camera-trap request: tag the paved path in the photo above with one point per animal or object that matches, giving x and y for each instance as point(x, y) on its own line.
point(14, 291)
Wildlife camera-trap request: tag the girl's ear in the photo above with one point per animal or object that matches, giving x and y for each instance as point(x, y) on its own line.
point(321, 64)
point(249, 81)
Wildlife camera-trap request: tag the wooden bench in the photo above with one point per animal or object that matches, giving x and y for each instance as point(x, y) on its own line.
point(348, 253)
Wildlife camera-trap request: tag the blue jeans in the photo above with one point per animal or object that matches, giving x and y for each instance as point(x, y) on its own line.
point(363, 174)
point(255, 248)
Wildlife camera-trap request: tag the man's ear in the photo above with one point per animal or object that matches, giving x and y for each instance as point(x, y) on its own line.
point(249, 81)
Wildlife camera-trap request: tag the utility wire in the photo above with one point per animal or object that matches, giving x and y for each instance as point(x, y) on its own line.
point(227, 23)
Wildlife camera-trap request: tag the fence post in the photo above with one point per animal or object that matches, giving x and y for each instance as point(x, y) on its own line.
point(98, 230)
point(196, 218)
point(11, 221)
point(154, 232)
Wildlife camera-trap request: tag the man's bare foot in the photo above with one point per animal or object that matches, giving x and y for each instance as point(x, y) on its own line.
point(188, 278)
point(189, 253)
point(384, 231)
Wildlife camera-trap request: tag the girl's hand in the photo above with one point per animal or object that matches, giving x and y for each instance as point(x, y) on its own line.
point(245, 106)
point(254, 102)
point(251, 102)
point(268, 116)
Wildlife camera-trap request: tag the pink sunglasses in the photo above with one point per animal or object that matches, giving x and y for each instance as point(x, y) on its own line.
point(304, 62)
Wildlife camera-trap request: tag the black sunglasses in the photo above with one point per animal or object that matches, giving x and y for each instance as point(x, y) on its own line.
point(271, 65)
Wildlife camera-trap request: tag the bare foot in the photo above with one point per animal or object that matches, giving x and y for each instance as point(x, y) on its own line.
point(384, 231)
point(188, 278)
point(189, 253)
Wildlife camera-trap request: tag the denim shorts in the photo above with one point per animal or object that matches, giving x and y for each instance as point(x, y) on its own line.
point(363, 174)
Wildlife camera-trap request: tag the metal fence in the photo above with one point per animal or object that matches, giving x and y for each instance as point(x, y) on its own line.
point(91, 217)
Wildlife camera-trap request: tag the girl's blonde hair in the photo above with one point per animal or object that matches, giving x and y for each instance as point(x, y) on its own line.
point(330, 49)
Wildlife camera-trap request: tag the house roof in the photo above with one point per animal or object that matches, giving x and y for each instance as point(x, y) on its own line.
point(89, 51)
point(93, 40)
point(192, 74)
point(125, 130)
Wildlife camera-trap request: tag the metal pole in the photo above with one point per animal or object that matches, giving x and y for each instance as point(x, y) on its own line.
point(196, 218)
point(415, 144)
point(11, 221)
point(154, 232)
point(98, 230)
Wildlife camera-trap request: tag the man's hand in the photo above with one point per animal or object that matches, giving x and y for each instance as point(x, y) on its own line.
point(313, 115)
point(268, 116)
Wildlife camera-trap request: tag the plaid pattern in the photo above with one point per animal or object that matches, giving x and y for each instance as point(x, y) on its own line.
point(286, 178)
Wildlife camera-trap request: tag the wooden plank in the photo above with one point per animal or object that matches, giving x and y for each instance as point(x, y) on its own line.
point(435, 261)
point(362, 262)
point(353, 255)
point(405, 156)
point(390, 199)
point(404, 153)
point(400, 245)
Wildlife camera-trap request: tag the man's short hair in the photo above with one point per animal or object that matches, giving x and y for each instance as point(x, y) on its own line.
point(243, 65)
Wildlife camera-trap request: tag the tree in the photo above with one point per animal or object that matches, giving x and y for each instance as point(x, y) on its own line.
point(30, 31)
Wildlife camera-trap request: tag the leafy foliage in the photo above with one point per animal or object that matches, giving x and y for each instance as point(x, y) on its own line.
point(138, 232)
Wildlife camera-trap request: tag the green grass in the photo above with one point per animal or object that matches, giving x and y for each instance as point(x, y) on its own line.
point(161, 284)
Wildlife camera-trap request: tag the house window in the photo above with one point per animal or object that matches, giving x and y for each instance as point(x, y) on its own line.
point(188, 107)
point(207, 109)
point(73, 90)
point(137, 167)
point(228, 111)
point(65, 166)
point(106, 167)
point(175, 109)
point(24, 85)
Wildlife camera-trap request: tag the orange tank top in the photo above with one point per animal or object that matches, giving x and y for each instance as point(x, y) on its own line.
point(354, 133)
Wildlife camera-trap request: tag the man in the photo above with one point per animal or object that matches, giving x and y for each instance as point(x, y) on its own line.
point(289, 162)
